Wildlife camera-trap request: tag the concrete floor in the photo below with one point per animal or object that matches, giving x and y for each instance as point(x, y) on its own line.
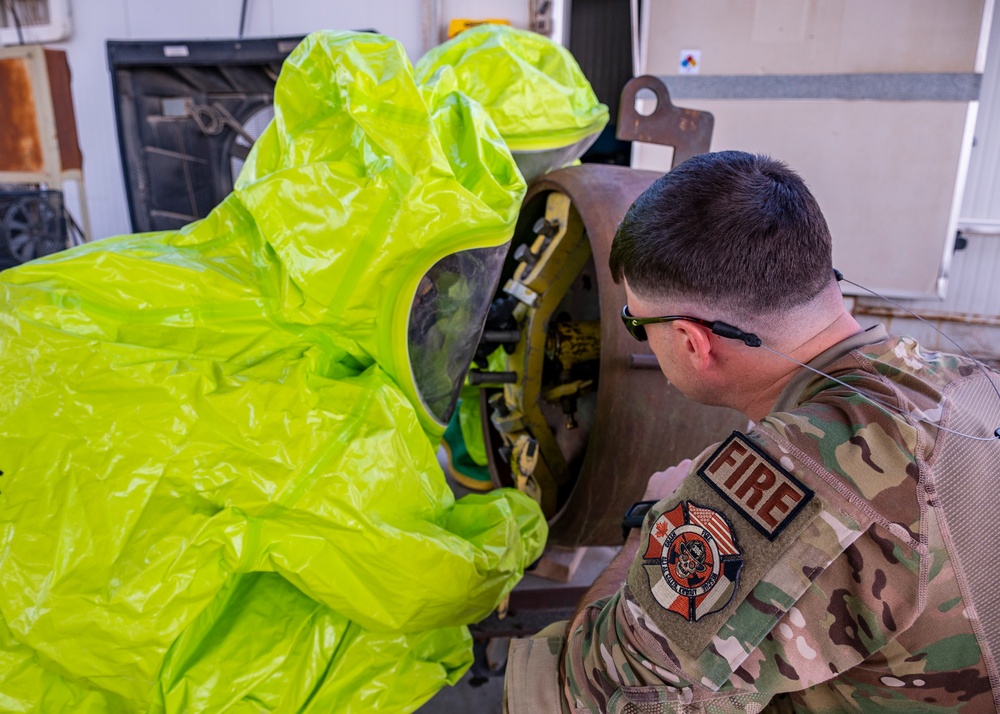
point(487, 698)
point(463, 698)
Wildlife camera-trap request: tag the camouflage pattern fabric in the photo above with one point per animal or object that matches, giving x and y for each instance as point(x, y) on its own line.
point(855, 606)
point(531, 682)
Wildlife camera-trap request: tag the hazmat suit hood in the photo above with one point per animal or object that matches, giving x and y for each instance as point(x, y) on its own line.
point(532, 88)
point(219, 485)
point(423, 175)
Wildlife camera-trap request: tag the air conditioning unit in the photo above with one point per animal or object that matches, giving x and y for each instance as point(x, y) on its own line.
point(28, 22)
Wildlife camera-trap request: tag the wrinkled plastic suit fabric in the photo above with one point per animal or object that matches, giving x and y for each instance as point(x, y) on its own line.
point(218, 492)
point(531, 86)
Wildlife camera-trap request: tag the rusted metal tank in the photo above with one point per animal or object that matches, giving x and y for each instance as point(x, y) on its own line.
point(588, 416)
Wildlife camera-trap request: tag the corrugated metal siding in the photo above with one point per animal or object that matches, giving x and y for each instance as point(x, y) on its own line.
point(982, 191)
point(600, 38)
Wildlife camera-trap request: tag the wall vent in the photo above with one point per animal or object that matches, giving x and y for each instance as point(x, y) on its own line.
point(30, 22)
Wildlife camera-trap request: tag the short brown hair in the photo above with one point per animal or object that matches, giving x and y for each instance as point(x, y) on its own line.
point(738, 230)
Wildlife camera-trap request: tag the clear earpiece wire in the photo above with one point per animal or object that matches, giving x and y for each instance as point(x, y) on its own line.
point(996, 434)
point(875, 400)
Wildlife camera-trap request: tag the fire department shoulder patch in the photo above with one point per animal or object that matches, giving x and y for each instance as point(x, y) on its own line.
point(692, 560)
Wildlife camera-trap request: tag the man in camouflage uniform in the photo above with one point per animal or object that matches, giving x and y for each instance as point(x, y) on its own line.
point(839, 556)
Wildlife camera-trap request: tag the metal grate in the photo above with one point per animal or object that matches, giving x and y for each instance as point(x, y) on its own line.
point(32, 224)
point(26, 13)
point(188, 113)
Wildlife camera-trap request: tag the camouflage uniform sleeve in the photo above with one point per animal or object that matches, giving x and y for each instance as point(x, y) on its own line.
point(748, 583)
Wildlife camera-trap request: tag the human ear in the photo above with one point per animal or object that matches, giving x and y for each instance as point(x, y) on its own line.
point(696, 342)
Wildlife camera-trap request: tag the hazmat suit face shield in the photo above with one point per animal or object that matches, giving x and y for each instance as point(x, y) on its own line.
point(446, 321)
point(535, 164)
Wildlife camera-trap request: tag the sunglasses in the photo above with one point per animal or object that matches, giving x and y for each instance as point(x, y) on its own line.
point(636, 327)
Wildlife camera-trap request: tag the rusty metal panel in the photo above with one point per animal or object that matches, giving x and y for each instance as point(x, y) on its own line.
point(20, 138)
point(70, 156)
point(689, 131)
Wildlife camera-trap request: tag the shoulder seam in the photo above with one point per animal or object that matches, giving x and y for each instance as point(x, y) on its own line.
point(840, 487)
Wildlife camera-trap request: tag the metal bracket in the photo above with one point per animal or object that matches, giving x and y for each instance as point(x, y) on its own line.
point(689, 131)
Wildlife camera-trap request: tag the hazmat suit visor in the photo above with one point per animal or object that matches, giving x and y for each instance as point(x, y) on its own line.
point(446, 321)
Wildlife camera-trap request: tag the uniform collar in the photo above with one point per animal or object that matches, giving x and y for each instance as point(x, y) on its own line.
point(789, 396)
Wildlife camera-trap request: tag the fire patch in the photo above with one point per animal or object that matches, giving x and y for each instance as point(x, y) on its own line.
point(756, 485)
point(692, 561)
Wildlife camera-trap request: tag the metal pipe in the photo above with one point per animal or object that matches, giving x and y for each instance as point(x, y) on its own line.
point(243, 18)
point(501, 336)
point(956, 317)
point(642, 362)
point(477, 377)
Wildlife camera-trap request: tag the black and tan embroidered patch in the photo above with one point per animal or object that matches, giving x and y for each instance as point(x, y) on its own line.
point(755, 485)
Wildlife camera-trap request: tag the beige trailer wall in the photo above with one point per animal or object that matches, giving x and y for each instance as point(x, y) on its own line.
point(888, 173)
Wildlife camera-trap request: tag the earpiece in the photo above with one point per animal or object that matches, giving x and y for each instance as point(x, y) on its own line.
point(723, 329)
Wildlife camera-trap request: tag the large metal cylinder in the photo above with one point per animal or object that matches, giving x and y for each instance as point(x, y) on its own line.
point(639, 423)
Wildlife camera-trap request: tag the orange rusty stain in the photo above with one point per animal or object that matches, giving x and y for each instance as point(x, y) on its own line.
point(62, 105)
point(20, 141)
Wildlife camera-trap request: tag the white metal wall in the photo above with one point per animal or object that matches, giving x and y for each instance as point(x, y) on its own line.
point(887, 166)
point(970, 311)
